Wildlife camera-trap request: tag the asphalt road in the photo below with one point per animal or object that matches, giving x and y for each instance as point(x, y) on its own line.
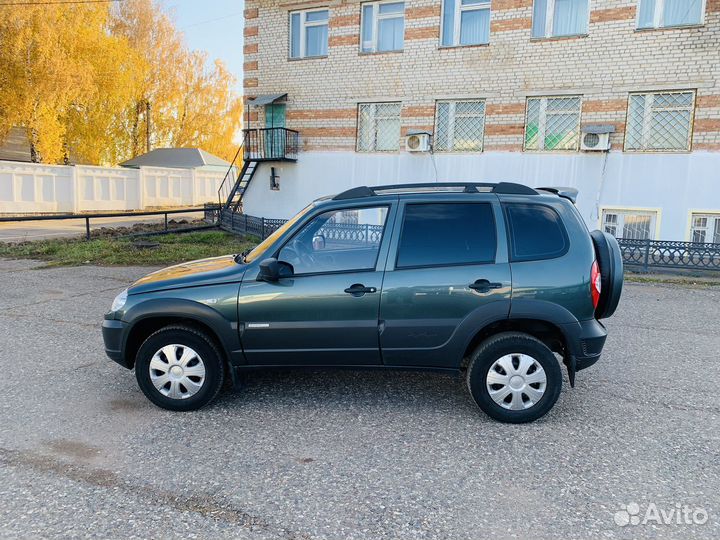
point(341, 455)
point(20, 231)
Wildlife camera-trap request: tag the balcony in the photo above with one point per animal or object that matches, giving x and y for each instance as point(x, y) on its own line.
point(271, 144)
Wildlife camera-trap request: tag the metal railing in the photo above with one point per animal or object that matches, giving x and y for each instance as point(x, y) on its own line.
point(87, 217)
point(245, 224)
point(271, 144)
point(649, 254)
point(261, 144)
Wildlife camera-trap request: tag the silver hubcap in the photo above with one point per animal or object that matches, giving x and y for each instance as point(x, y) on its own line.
point(516, 381)
point(177, 371)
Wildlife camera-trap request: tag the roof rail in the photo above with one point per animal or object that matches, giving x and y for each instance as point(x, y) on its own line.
point(506, 188)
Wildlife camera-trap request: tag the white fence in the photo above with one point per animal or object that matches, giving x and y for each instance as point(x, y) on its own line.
point(32, 187)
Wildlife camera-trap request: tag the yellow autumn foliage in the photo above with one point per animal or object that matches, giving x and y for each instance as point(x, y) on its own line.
point(80, 79)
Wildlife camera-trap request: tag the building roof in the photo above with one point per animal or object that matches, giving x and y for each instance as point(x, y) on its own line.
point(178, 158)
point(267, 99)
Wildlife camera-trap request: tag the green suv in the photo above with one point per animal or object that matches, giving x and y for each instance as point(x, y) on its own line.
point(500, 282)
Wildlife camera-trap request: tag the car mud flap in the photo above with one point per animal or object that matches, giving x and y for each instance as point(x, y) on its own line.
point(571, 365)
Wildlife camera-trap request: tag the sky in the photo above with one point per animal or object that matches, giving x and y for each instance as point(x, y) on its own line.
point(215, 26)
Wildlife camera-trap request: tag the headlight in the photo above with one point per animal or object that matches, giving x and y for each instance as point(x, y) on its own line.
point(119, 301)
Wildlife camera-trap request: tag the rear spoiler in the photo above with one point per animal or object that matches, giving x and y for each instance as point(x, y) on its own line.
point(565, 192)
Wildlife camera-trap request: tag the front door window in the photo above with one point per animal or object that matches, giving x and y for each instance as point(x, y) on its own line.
point(337, 241)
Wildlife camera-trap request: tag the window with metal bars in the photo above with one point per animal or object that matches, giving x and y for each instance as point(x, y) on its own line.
point(378, 127)
point(465, 22)
point(705, 228)
point(309, 33)
point(668, 13)
point(629, 224)
point(553, 123)
point(660, 122)
point(459, 126)
point(383, 27)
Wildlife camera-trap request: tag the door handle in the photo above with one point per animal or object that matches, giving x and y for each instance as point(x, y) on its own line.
point(483, 285)
point(358, 289)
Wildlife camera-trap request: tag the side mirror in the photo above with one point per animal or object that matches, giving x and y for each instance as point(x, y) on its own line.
point(269, 270)
point(272, 270)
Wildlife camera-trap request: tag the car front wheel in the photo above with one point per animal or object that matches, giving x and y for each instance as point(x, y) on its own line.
point(179, 368)
point(514, 377)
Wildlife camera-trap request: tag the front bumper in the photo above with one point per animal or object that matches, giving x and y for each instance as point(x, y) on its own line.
point(114, 337)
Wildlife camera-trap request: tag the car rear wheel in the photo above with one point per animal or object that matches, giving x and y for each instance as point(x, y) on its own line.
point(179, 368)
point(514, 378)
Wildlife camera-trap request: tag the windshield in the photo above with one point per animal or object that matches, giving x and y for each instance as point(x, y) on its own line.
point(270, 240)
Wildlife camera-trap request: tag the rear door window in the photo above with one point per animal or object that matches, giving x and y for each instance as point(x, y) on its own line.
point(536, 232)
point(446, 234)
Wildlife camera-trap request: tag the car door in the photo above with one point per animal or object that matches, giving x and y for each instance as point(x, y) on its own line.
point(326, 312)
point(447, 276)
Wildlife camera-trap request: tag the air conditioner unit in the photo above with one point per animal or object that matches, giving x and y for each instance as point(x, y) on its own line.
point(417, 142)
point(596, 138)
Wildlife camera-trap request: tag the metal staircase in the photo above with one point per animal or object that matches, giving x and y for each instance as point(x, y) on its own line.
point(258, 146)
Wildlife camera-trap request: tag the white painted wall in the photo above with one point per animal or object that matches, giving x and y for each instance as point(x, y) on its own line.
point(32, 187)
point(673, 183)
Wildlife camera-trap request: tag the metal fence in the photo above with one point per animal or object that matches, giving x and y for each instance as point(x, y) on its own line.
point(245, 224)
point(649, 254)
point(643, 254)
point(349, 233)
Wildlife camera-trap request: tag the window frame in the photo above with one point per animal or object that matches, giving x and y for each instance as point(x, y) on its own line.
point(647, 120)
point(549, 22)
point(544, 108)
point(660, 12)
point(451, 123)
point(655, 213)
point(509, 228)
point(376, 17)
point(321, 211)
point(403, 213)
point(304, 24)
point(374, 120)
point(457, 20)
point(713, 216)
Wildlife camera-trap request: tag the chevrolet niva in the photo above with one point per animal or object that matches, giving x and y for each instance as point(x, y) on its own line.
point(489, 280)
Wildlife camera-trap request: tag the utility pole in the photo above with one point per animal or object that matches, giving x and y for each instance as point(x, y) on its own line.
point(147, 124)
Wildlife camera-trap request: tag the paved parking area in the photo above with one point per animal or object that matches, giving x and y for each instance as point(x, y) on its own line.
point(373, 455)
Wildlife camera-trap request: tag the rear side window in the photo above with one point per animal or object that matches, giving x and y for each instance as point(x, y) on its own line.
point(536, 232)
point(444, 234)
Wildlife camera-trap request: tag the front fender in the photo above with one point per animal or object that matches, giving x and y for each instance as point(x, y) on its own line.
point(222, 321)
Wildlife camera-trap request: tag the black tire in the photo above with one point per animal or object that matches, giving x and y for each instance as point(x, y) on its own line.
point(501, 345)
point(609, 258)
point(206, 349)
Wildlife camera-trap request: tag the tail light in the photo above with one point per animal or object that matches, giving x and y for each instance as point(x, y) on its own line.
point(595, 287)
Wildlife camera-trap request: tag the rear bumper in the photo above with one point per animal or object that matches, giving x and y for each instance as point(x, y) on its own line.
point(114, 337)
point(585, 340)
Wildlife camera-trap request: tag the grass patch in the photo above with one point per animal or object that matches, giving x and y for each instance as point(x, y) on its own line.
point(172, 249)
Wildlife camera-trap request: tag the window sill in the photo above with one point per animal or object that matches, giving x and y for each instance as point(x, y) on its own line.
point(674, 27)
point(576, 151)
point(471, 46)
point(456, 152)
point(650, 151)
point(300, 59)
point(558, 38)
point(374, 53)
point(377, 151)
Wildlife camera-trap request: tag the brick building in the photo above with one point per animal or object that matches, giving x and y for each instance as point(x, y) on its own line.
point(509, 90)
